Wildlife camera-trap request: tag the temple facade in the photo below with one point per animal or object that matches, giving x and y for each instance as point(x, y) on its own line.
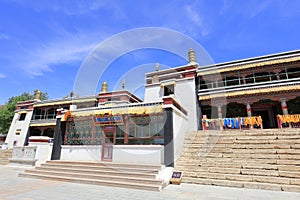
point(265, 87)
point(117, 126)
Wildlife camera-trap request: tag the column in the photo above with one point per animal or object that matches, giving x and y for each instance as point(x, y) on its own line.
point(42, 131)
point(249, 112)
point(248, 107)
point(220, 116)
point(126, 129)
point(277, 75)
point(284, 106)
point(244, 80)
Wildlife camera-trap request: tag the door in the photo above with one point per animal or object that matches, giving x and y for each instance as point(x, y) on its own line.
point(108, 142)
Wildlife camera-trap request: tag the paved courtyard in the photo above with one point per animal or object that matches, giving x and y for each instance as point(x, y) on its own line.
point(17, 188)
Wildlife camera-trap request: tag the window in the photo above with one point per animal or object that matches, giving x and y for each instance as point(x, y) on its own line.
point(146, 130)
point(18, 131)
point(120, 134)
point(168, 90)
point(22, 117)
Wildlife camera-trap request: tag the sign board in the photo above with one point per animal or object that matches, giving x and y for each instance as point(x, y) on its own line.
point(176, 178)
point(109, 119)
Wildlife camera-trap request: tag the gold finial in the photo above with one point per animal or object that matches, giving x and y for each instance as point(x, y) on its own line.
point(192, 57)
point(123, 84)
point(37, 95)
point(157, 67)
point(104, 87)
point(71, 94)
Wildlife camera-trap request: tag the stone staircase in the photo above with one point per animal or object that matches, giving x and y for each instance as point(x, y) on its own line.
point(5, 154)
point(258, 159)
point(136, 176)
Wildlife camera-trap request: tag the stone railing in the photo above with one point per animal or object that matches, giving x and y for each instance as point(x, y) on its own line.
point(23, 156)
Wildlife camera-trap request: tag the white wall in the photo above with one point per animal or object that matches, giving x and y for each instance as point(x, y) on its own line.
point(82, 152)
point(144, 154)
point(185, 95)
point(16, 124)
point(180, 128)
point(43, 151)
point(153, 93)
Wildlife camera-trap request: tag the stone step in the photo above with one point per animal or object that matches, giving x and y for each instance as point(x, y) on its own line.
point(234, 165)
point(106, 164)
point(285, 141)
point(99, 176)
point(242, 137)
point(200, 160)
point(241, 151)
point(103, 172)
point(153, 187)
point(251, 137)
point(244, 178)
point(240, 184)
point(138, 176)
point(242, 155)
point(288, 162)
point(289, 174)
point(261, 159)
point(244, 146)
point(239, 137)
point(99, 167)
point(252, 131)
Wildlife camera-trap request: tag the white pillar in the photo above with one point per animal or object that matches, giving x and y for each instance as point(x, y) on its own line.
point(220, 115)
point(284, 106)
point(249, 112)
point(244, 80)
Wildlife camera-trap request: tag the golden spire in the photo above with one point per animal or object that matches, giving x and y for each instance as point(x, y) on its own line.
point(123, 84)
point(104, 87)
point(192, 57)
point(157, 67)
point(37, 95)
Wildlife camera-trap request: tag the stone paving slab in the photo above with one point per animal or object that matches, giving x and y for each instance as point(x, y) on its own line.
point(18, 188)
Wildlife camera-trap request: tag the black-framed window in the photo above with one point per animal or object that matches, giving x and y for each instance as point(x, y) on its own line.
point(169, 90)
point(22, 117)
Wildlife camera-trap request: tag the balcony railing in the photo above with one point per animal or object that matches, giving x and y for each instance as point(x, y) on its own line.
point(282, 83)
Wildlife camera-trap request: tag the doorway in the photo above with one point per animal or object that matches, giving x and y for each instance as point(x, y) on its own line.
point(109, 139)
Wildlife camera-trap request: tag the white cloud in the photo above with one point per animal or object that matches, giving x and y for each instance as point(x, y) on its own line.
point(247, 9)
point(4, 36)
point(73, 7)
point(255, 10)
point(197, 20)
point(2, 75)
point(66, 49)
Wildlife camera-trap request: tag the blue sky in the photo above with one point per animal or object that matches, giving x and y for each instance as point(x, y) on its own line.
point(43, 43)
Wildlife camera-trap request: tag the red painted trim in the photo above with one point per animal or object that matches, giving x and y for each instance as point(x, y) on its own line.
point(189, 75)
point(171, 101)
point(284, 107)
point(38, 140)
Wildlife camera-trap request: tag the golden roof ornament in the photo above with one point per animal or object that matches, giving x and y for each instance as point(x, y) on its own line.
point(157, 67)
point(104, 87)
point(123, 84)
point(37, 95)
point(192, 57)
